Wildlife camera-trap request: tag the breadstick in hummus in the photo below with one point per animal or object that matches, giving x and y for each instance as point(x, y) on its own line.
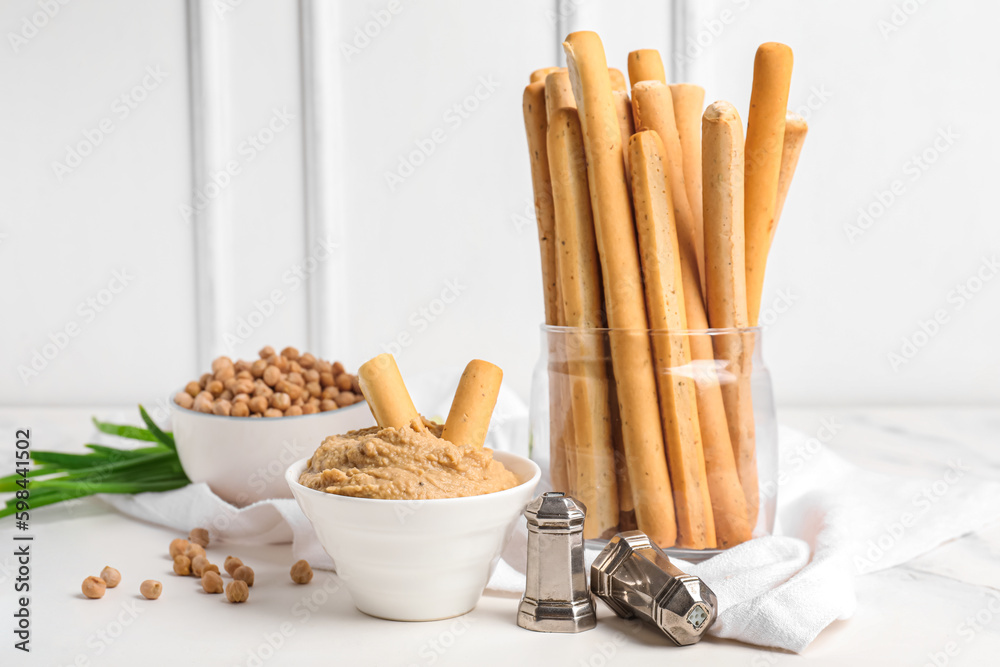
point(617, 79)
point(661, 269)
point(795, 136)
point(471, 409)
point(536, 125)
point(616, 244)
point(653, 107)
point(383, 388)
point(580, 286)
point(538, 76)
point(772, 74)
point(722, 164)
point(645, 65)
point(558, 92)
point(689, 101)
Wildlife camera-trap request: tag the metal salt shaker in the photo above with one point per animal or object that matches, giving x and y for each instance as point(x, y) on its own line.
point(636, 579)
point(556, 597)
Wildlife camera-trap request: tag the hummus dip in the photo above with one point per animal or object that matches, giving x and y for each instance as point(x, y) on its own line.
point(411, 463)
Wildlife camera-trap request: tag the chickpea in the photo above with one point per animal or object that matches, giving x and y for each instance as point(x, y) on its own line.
point(215, 388)
point(272, 375)
point(245, 375)
point(257, 368)
point(290, 353)
point(93, 587)
point(237, 591)
point(301, 572)
point(266, 351)
point(300, 401)
point(296, 379)
point(281, 401)
point(293, 411)
point(244, 573)
point(230, 384)
point(326, 405)
point(356, 385)
point(314, 389)
point(222, 407)
point(241, 409)
point(273, 412)
point(311, 375)
point(313, 401)
point(192, 388)
point(262, 390)
point(179, 547)
point(309, 409)
point(258, 404)
point(280, 362)
point(243, 386)
point(211, 567)
point(195, 550)
point(111, 576)
point(221, 362)
point(182, 566)
point(323, 366)
point(199, 536)
point(225, 373)
point(285, 387)
point(241, 366)
point(330, 393)
point(212, 582)
point(294, 367)
point(198, 564)
point(231, 563)
point(204, 380)
point(344, 382)
point(345, 398)
point(337, 369)
point(183, 399)
point(227, 395)
point(307, 360)
point(151, 589)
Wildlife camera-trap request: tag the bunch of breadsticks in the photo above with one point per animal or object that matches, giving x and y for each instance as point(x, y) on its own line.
point(655, 214)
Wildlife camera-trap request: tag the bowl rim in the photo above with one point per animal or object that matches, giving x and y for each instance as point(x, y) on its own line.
point(293, 483)
point(173, 404)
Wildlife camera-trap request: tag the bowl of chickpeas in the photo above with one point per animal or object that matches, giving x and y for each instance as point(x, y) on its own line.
point(240, 426)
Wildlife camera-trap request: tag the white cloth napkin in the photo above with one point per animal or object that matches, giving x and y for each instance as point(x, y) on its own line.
point(835, 521)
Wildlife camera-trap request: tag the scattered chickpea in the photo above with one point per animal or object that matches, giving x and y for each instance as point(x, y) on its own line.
point(151, 589)
point(231, 563)
point(244, 573)
point(301, 572)
point(195, 550)
point(182, 566)
point(111, 576)
point(179, 547)
point(93, 587)
point(237, 591)
point(199, 536)
point(198, 564)
point(211, 567)
point(212, 582)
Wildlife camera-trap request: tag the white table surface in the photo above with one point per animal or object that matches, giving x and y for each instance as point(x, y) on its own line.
point(909, 615)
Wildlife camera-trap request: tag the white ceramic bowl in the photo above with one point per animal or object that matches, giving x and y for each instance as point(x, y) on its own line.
point(243, 460)
point(416, 560)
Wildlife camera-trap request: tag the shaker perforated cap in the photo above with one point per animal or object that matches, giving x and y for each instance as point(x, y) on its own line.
point(636, 579)
point(556, 597)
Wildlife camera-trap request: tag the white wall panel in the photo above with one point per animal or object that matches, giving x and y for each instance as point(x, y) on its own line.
point(64, 238)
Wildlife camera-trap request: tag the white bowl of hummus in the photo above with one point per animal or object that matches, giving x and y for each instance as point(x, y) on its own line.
point(412, 558)
point(243, 460)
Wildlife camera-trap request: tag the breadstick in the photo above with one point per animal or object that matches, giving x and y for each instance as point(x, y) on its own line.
point(772, 74)
point(617, 79)
point(689, 101)
point(536, 125)
point(616, 243)
point(626, 504)
point(623, 107)
point(794, 137)
point(539, 74)
point(645, 65)
point(558, 92)
point(471, 409)
point(653, 106)
point(722, 164)
point(383, 388)
point(661, 269)
point(594, 480)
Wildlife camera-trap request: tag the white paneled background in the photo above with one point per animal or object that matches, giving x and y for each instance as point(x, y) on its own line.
point(352, 177)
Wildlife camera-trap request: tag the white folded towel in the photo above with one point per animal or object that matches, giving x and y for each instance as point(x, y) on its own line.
point(835, 522)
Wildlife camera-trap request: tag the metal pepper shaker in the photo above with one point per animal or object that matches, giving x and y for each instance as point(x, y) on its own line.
point(556, 597)
point(636, 579)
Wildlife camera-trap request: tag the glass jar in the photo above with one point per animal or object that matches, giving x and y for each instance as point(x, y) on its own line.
point(674, 434)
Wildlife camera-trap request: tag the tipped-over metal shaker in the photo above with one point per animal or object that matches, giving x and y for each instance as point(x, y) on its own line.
point(556, 597)
point(636, 579)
